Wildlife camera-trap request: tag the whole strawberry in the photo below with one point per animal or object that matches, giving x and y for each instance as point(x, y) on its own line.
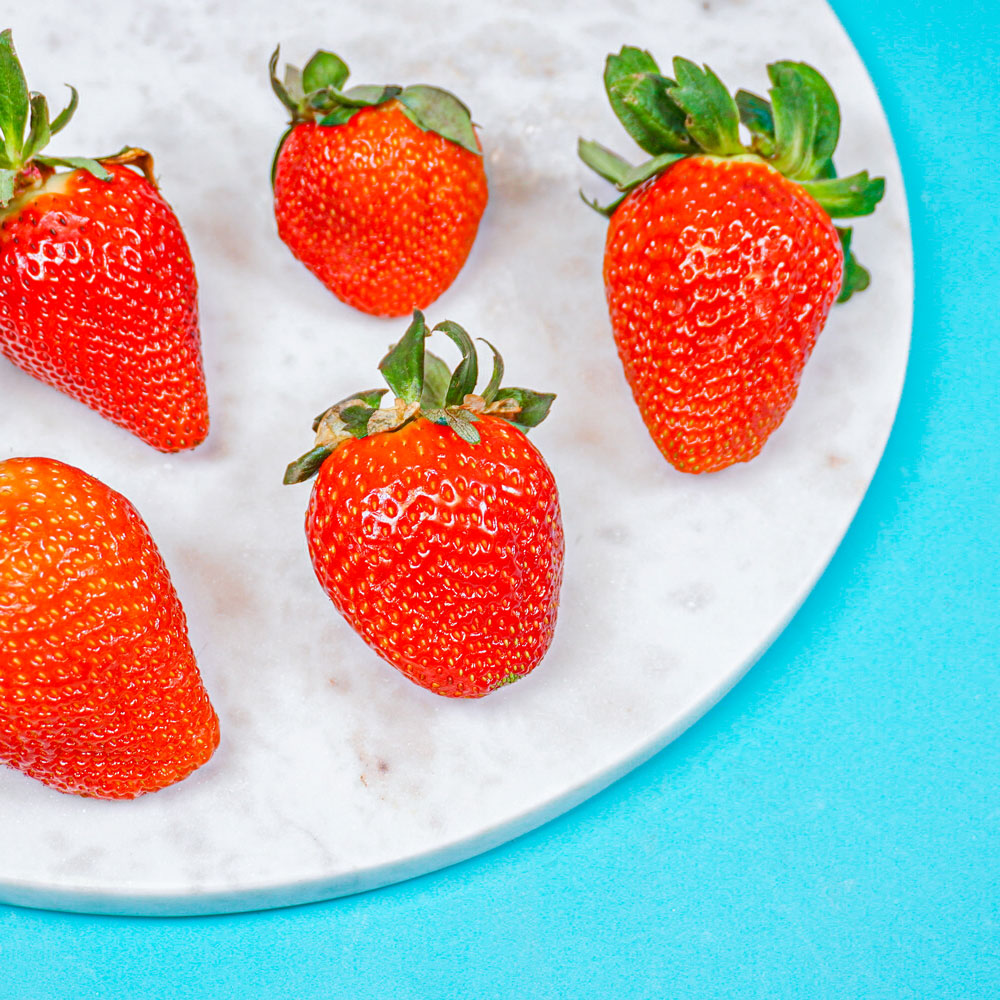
point(100, 694)
point(99, 297)
point(721, 261)
point(434, 526)
point(377, 190)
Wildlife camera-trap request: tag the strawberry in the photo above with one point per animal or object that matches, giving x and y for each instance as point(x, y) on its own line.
point(99, 292)
point(721, 261)
point(377, 190)
point(100, 694)
point(434, 526)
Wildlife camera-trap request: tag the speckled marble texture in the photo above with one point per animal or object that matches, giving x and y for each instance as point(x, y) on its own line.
point(335, 774)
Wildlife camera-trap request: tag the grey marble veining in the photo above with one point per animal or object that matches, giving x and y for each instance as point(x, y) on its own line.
point(335, 774)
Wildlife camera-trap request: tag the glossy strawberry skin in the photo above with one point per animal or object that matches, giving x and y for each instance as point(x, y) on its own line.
point(719, 276)
point(382, 212)
point(100, 694)
point(446, 557)
point(99, 299)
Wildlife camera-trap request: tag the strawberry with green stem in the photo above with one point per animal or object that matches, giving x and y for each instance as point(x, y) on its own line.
point(378, 190)
point(99, 296)
point(721, 259)
point(434, 525)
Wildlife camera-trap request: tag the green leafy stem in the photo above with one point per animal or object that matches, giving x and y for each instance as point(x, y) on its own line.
point(423, 386)
point(316, 93)
point(693, 113)
point(27, 128)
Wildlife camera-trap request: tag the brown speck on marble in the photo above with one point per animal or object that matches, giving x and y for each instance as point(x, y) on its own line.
point(694, 597)
point(616, 533)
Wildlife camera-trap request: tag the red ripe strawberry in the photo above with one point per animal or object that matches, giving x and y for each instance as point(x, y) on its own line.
point(721, 261)
point(377, 190)
point(434, 526)
point(99, 297)
point(100, 694)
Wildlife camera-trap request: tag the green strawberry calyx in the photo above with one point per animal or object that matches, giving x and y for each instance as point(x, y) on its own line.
point(694, 114)
point(316, 93)
point(423, 386)
point(27, 128)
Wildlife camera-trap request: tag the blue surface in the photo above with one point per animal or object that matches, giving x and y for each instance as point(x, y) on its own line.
point(830, 829)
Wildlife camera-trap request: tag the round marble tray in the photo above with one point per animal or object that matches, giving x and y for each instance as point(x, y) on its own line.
point(335, 774)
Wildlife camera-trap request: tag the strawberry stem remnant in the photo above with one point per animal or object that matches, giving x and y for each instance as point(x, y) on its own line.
point(423, 386)
point(21, 166)
point(693, 114)
point(316, 94)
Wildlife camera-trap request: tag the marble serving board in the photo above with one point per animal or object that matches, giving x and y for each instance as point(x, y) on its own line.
point(335, 774)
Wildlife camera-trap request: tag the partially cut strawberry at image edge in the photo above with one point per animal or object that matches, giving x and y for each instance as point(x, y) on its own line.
point(100, 693)
point(99, 291)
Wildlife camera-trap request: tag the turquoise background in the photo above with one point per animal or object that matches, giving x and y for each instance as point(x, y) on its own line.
point(830, 829)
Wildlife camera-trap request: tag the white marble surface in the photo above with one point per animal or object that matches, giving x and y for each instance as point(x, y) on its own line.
point(335, 774)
